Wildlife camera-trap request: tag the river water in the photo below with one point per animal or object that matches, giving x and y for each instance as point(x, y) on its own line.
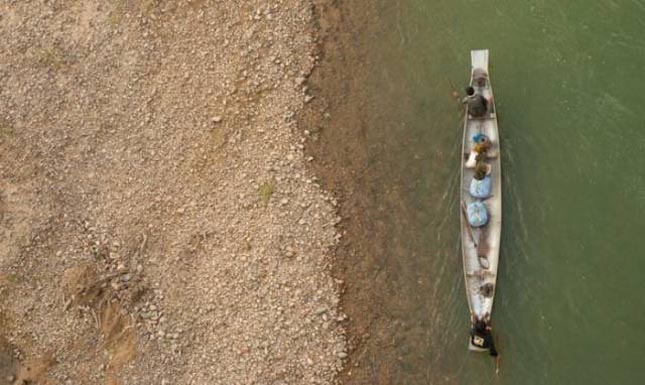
point(569, 80)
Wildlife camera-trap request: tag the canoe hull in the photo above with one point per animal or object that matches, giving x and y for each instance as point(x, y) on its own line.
point(481, 245)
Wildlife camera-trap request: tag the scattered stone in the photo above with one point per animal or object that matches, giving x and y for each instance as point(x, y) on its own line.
point(165, 214)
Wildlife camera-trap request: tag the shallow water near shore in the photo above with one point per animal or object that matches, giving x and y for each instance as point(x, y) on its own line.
point(568, 81)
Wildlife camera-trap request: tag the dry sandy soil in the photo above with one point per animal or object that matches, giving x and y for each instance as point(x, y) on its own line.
point(159, 223)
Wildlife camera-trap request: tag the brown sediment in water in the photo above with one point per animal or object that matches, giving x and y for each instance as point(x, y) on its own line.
point(338, 119)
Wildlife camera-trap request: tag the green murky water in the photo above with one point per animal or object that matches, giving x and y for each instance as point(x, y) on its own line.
point(569, 79)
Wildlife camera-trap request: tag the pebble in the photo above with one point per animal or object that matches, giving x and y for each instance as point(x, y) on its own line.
point(321, 310)
point(146, 315)
point(216, 119)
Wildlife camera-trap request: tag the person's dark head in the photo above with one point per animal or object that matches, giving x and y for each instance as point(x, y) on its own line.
point(481, 169)
point(470, 91)
point(480, 326)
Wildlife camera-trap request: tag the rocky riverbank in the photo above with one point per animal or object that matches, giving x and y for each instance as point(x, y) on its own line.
point(159, 222)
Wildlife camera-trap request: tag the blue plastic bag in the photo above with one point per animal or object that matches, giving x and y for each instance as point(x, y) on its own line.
point(477, 214)
point(481, 188)
point(477, 138)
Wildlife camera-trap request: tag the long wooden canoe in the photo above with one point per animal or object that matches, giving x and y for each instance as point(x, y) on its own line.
point(480, 245)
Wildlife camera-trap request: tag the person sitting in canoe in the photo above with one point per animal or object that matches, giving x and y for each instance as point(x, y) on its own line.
point(481, 143)
point(481, 336)
point(482, 169)
point(481, 185)
point(477, 103)
point(479, 151)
